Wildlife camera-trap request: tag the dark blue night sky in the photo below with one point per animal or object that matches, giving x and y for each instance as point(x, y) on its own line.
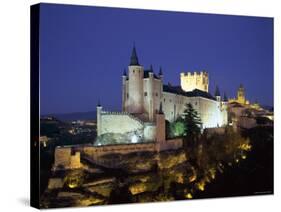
point(84, 50)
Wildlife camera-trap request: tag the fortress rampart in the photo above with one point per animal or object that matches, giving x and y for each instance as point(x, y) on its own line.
point(68, 157)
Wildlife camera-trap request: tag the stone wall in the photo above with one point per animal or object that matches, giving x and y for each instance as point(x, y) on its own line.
point(149, 132)
point(67, 158)
point(172, 144)
point(212, 114)
point(118, 122)
point(96, 152)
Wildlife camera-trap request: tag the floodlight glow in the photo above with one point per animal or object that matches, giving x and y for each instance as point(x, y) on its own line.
point(134, 139)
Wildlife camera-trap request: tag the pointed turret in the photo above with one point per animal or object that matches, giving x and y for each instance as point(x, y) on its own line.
point(134, 58)
point(241, 86)
point(217, 94)
point(225, 99)
point(217, 91)
point(124, 72)
point(98, 105)
point(160, 72)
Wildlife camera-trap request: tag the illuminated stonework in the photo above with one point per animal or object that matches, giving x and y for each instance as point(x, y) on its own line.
point(241, 97)
point(196, 80)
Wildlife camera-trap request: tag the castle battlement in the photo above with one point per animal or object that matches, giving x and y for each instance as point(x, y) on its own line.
point(195, 80)
point(194, 73)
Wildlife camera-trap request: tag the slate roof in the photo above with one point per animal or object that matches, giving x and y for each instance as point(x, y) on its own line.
point(146, 74)
point(194, 93)
point(134, 58)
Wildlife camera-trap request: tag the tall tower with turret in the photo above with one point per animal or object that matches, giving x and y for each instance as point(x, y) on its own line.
point(217, 94)
point(133, 86)
point(241, 95)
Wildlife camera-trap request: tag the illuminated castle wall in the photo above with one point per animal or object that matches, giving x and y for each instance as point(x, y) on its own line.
point(196, 80)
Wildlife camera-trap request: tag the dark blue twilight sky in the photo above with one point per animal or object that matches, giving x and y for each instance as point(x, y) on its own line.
point(84, 50)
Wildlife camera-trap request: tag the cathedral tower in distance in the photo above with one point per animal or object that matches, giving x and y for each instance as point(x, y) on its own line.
point(241, 95)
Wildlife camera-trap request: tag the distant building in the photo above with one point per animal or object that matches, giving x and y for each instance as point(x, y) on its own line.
point(241, 97)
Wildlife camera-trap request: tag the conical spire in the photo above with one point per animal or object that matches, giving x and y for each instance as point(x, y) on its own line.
point(160, 71)
point(98, 105)
point(124, 72)
point(134, 58)
point(217, 91)
point(225, 99)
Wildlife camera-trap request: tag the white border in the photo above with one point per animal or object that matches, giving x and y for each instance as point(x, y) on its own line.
point(14, 101)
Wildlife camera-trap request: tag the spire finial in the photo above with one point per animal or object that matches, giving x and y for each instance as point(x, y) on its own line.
point(98, 105)
point(134, 58)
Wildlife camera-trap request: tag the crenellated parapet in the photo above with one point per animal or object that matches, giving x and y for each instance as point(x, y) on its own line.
point(195, 80)
point(194, 73)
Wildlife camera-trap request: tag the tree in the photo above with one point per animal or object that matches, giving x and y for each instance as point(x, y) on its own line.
point(192, 127)
point(192, 122)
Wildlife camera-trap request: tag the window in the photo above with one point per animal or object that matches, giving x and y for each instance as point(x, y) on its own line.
point(156, 94)
point(127, 96)
point(145, 93)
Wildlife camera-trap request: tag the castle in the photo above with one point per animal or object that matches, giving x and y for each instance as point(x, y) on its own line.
point(145, 96)
point(147, 104)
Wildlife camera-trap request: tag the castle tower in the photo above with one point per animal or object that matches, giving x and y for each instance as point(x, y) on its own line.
point(225, 99)
point(241, 95)
point(160, 125)
point(150, 97)
point(196, 80)
point(217, 94)
point(134, 92)
point(99, 123)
